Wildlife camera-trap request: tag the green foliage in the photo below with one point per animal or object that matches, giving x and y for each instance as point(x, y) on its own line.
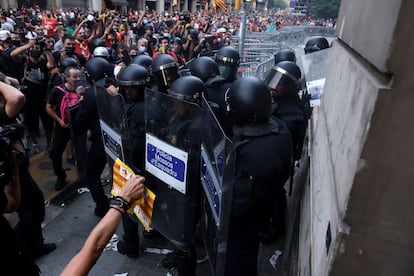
point(324, 8)
point(277, 4)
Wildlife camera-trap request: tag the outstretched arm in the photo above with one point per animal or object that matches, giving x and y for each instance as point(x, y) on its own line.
point(82, 263)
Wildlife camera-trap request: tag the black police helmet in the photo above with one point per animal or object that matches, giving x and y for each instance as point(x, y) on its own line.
point(165, 70)
point(143, 60)
point(205, 68)
point(316, 43)
point(97, 42)
point(188, 88)
point(134, 75)
point(67, 62)
point(286, 73)
point(285, 55)
point(228, 60)
point(177, 40)
point(99, 68)
point(250, 101)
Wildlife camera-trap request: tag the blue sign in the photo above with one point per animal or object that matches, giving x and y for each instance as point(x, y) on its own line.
point(211, 187)
point(166, 162)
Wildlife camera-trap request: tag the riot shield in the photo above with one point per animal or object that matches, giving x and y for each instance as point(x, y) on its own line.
point(314, 67)
point(217, 168)
point(79, 143)
point(172, 157)
point(111, 110)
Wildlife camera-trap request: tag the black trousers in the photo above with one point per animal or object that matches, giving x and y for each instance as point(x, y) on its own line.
point(31, 212)
point(96, 161)
point(61, 137)
point(242, 250)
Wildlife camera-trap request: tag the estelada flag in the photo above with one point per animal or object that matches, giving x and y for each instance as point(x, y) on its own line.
point(144, 205)
point(206, 7)
point(221, 5)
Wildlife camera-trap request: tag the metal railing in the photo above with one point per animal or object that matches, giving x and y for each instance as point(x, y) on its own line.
point(259, 48)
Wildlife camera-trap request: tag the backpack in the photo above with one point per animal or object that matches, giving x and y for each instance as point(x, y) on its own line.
point(68, 100)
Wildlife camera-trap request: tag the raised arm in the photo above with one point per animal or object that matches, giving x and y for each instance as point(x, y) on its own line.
point(82, 263)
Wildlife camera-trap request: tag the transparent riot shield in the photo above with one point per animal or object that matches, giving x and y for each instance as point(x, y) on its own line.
point(314, 67)
point(217, 168)
point(172, 161)
point(79, 143)
point(111, 110)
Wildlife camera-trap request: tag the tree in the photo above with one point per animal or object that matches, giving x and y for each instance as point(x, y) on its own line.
point(277, 4)
point(324, 8)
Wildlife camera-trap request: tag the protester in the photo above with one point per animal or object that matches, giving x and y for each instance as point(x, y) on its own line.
point(82, 263)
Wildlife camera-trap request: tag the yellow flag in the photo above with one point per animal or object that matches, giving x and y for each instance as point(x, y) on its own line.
point(221, 5)
point(206, 7)
point(144, 205)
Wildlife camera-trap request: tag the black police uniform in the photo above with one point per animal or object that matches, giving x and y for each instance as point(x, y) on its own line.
point(87, 119)
point(135, 120)
point(133, 76)
point(184, 132)
point(289, 108)
point(16, 259)
point(262, 167)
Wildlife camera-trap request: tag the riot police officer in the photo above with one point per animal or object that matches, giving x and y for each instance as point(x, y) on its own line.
point(316, 43)
point(208, 71)
point(165, 71)
point(87, 119)
point(263, 152)
point(285, 55)
point(97, 42)
point(183, 131)
point(101, 52)
point(143, 60)
point(132, 83)
point(228, 61)
point(284, 83)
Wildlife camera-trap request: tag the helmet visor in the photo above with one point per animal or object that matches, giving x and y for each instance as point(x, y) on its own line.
point(166, 76)
point(279, 76)
point(226, 69)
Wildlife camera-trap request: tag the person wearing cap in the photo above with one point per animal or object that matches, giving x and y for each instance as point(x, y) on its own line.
point(177, 50)
point(8, 66)
point(4, 34)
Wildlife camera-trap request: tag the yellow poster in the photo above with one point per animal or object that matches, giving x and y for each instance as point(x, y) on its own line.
point(143, 206)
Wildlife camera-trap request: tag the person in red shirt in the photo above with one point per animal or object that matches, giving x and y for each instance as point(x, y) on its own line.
point(81, 41)
point(50, 24)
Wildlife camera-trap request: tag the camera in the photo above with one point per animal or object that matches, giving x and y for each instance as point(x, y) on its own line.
point(11, 133)
point(41, 42)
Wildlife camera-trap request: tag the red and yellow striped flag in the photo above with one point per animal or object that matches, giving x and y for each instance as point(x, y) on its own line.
point(144, 205)
point(221, 4)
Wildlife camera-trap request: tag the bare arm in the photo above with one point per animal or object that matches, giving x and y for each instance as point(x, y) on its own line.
point(82, 263)
point(14, 99)
point(15, 54)
point(107, 29)
point(51, 111)
point(76, 31)
point(50, 59)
